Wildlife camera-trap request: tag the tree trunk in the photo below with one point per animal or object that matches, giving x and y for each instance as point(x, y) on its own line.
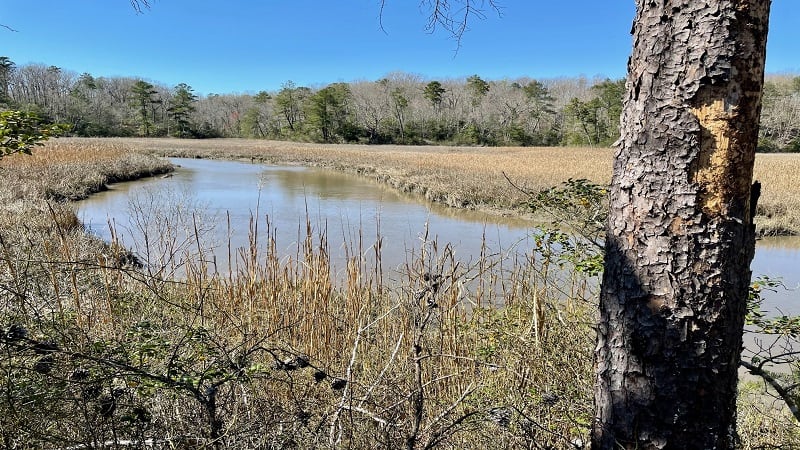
point(680, 236)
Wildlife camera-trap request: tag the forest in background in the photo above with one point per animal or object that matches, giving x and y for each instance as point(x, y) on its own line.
point(400, 108)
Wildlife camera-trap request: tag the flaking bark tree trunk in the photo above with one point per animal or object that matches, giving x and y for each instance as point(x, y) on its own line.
point(680, 236)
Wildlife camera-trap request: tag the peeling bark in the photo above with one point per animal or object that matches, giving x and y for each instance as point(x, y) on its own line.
point(680, 236)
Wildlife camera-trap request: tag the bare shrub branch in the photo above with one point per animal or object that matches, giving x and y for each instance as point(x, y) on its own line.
point(140, 5)
point(452, 16)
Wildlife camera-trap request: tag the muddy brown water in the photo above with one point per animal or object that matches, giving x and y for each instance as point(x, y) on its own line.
point(219, 198)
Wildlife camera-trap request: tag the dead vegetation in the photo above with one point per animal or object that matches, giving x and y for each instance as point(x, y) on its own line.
point(97, 351)
point(472, 177)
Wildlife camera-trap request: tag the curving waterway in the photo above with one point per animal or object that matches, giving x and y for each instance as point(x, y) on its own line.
point(217, 199)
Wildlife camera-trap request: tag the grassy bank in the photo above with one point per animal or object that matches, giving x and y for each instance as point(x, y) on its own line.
point(98, 352)
point(473, 177)
point(66, 170)
point(35, 188)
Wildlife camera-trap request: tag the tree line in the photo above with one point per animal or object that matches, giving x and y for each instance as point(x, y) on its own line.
point(400, 108)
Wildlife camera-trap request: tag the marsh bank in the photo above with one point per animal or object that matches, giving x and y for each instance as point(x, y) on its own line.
point(354, 213)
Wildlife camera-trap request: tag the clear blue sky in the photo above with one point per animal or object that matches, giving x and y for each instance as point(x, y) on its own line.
point(227, 46)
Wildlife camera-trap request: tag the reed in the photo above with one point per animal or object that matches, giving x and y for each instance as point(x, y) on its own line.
point(99, 349)
point(280, 350)
point(472, 177)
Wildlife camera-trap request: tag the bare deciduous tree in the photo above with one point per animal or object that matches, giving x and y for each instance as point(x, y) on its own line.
point(453, 16)
point(140, 5)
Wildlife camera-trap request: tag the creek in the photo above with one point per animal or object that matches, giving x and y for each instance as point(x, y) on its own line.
point(217, 200)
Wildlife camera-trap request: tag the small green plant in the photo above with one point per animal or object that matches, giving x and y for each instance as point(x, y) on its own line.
point(21, 131)
point(773, 356)
point(578, 204)
point(756, 317)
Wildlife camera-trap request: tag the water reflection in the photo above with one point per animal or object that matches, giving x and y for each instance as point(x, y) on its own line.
point(347, 208)
point(351, 209)
point(778, 258)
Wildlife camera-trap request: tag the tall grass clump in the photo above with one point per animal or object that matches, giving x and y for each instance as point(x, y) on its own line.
point(153, 346)
point(100, 349)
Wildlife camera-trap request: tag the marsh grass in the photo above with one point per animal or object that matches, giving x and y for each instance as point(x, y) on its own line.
point(102, 350)
point(473, 177)
point(63, 170)
point(779, 207)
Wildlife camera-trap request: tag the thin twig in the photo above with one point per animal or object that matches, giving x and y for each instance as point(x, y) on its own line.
point(383, 372)
point(469, 390)
point(776, 384)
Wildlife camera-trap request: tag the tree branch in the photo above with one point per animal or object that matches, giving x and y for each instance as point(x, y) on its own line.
point(453, 16)
point(140, 5)
point(776, 384)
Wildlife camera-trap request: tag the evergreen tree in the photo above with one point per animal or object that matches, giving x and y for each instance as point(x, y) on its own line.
point(478, 88)
point(327, 111)
point(434, 92)
point(182, 108)
point(144, 95)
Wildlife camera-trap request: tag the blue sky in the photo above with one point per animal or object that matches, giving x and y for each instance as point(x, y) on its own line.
point(251, 45)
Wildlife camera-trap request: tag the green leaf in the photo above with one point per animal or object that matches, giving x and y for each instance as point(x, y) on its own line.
point(21, 131)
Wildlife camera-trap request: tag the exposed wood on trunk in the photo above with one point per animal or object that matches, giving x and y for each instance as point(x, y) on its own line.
point(680, 235)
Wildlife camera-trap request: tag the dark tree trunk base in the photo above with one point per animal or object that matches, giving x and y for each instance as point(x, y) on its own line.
point(680, 236)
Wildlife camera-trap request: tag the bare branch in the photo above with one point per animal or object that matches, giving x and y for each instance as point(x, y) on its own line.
point(8, 28)
point(453, 16)
point(445, 430)
point(140, 5)
point(783, 391)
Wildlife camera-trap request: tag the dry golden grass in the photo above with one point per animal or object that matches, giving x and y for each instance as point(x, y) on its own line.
point(216, 358)
point(779, 206)
point(65, 170)
point(59, 151)
point(472, 177)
